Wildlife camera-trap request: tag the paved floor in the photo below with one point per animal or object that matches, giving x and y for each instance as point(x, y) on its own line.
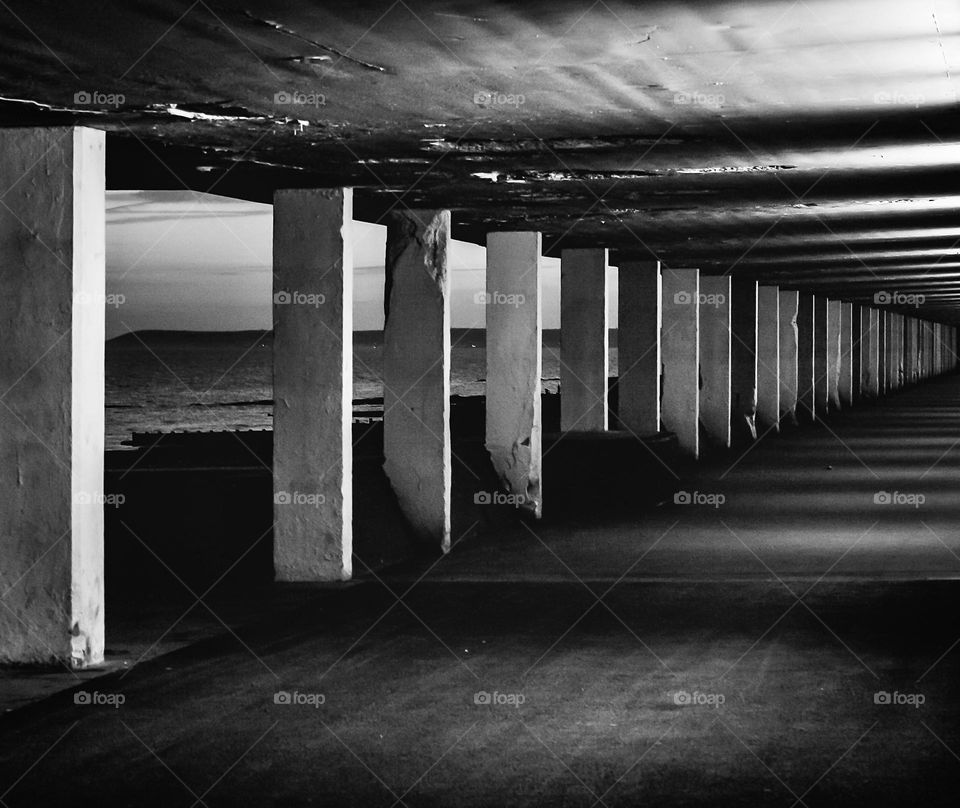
point(797, 645)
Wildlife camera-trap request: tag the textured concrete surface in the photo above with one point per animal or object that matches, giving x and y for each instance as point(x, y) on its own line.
point(789, 303)
point(768, 357)
point(416, 371)
point(313, 384)
point(638, 346)
point(52, 298)
point(743, 359)
point(715, 346)
point(680, 346)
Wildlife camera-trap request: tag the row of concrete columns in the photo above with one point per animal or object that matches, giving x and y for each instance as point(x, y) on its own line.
point(692, 350)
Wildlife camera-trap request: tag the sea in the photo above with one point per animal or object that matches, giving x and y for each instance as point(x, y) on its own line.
point(176, 381)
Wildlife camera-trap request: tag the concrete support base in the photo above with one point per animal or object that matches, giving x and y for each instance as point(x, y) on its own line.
point(584, 340)
point(715, 330)
point(806, 381)
point(52, 303)
point(313, 385)
point(416, 371)
point(743, 359)
point(789, 304)
point(638, 347)
point(845, 372)
point(680, 341)
point(833, 354)
point(870, 371)
point(768, 357)
point(514, 358)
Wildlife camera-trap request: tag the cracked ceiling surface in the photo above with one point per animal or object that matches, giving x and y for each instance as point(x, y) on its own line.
point(813, 143)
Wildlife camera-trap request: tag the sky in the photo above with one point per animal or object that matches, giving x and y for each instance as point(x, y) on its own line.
point(180, 260)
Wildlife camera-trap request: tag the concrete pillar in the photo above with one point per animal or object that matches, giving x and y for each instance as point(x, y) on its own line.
point(514, 358)
point(898, 374)
point(416, 371)
point(909, 351)
point(680, 344)
point(52, 303)
point(806, 381)
point(638, 347)
point(833, 354)
point(584, 340)
point(845, 372)
point(871, 355)
point(715, 346)
point(313, 384)
point(891, 352)
point(768, 357)
point(789, 304)
point(821, 353)
point(743, 359)
point(882, 331)
point(856, 352)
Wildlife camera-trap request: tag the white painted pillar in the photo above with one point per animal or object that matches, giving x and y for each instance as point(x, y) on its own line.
point(680, 344)
point(313, 384)
point(715, 345)
point(871, 368)
point(52, 303)
point(584, 340)
point(821, 353)
point(743, 358)
point(789, 304)
point(845, 377)
point(768, 357)
point(833, 353)
point(416, 371)
point(514, 359)
point(806, 366)
point(640, 301)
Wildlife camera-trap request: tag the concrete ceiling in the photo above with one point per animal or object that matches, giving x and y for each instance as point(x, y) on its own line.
point(813, 143)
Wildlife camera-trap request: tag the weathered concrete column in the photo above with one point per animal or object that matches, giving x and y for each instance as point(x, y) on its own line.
point(833, 354)
point(416, 371)
point(743, 359)
point(898, 375)
point(845, 372)
point(768, 357)
point(584, 340)
point(640, 303)
point(789, 305)
point(871, 355)
point(52, 303)
point(910, 351)
point(820, 355)
point(892, 354)
point(715, 338)
point(856, 351)
point(806, 367)
point(514, 358)
point(680, 344)
point(882, 333)
point(313, 384)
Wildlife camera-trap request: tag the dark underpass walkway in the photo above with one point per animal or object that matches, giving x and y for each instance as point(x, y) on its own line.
point(793, 643)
